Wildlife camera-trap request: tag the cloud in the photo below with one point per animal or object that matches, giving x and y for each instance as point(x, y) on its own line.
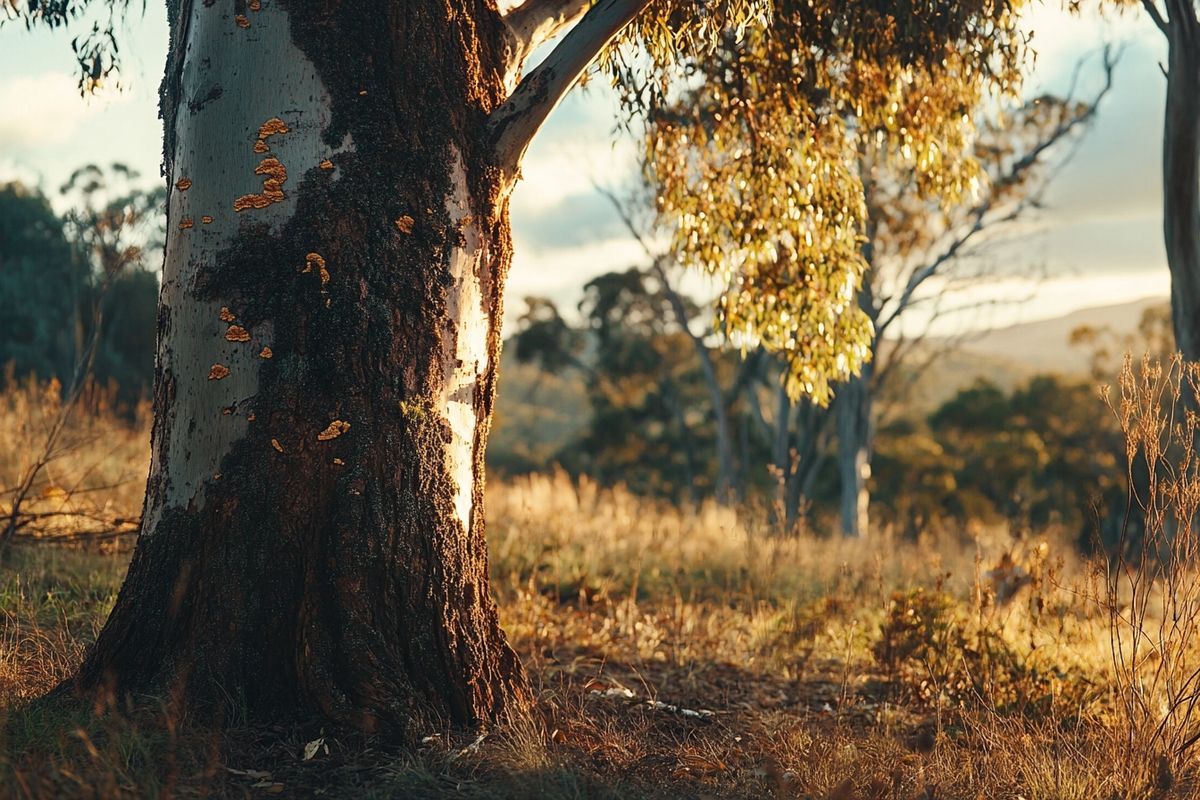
point(575, 220)
point(43, 111)
point(576, 150)
point(560, 273)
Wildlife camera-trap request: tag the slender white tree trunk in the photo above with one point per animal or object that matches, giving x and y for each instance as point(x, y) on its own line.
point(853, 409)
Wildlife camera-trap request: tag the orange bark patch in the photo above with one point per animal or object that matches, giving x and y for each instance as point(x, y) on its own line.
point(335, 429)
point(278, 447)
point(405, 224)
point(315, 260)
point(241, 21)
point(272, 127)
point(275, 176)
point(183, 184)
point(217, 371)
point(265, 353)
point(237, 333)
point(227, 315)
point(185, 223)
point(206, 219)
point(256, 5)
point(326, 164)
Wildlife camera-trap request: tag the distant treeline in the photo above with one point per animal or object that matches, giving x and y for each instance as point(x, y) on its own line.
point(635, 392)
point(61, 276)
point(623, 396)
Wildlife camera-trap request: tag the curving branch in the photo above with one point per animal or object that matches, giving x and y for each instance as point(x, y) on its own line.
point(514, 123)
point(535, 22)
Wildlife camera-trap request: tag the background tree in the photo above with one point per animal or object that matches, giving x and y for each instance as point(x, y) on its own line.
point(1180, 26)
point(649, 422)
point(918, 248)
point(118, 228)
point(1051, 456)
point(332, 293)
point(760, 184)
point(41, 280)
point(75, 299)
point(923, 256)
point(65, 277)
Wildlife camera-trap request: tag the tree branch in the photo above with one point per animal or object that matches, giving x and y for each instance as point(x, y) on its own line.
point(978, 216)
point(1182, 14)
point(514, 123)
point(535, 22)
point(1156, 15)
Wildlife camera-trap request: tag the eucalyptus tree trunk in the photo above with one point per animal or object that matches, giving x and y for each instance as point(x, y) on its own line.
point(798, 442)
point(854, 411)
point(854, 432)
point(329, 332)
point(781, 457)
point(1181, 181)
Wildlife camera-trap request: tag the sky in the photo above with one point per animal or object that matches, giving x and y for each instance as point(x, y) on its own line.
point(1099, 238)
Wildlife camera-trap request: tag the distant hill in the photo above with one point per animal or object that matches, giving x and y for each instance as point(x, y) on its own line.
point(956, 370)
point(1043, 346)
point(1008, 356)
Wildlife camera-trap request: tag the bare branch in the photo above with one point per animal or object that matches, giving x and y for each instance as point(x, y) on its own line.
point(1156, 15)
point(535, 22)
point(978, 216)
point(514, 123)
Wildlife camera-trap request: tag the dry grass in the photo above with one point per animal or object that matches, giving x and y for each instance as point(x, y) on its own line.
point(94, 472)
point(675, 654)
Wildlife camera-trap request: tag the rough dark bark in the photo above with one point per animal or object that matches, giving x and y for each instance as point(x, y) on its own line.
point(1181, 181)
point(313, 534)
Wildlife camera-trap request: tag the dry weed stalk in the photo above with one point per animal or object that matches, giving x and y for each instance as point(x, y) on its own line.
point(1151, 585)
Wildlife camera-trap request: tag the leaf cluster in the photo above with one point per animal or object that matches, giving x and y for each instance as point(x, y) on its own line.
point(96, 52)
point(755, 116)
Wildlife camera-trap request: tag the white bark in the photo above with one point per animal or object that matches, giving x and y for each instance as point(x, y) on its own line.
point(534, 23)
point(250, 75)
point(517, 121)
point(465, 342)
point(853, 409)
